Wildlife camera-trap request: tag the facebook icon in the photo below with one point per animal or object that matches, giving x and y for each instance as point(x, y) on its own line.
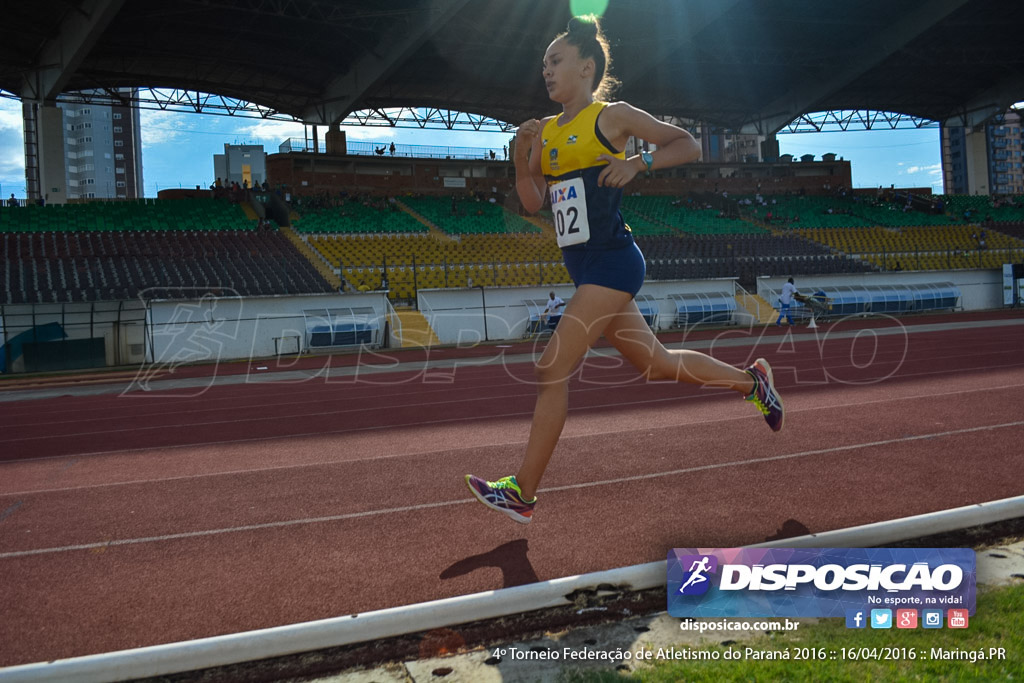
point(856, 618)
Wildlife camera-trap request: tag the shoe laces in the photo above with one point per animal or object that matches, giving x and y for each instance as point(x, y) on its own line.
point(756, 400)
point(504, 483)
point(755, 397)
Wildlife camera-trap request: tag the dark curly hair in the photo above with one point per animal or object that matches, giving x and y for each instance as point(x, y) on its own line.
point(585, 33)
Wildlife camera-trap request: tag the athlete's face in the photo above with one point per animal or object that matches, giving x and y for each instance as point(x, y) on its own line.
point(565, 74)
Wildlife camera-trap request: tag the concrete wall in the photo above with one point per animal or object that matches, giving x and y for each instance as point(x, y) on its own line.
point(457, 315)
point(211, 329)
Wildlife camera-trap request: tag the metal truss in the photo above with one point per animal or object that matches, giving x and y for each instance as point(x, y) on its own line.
point(841, 120)
point(432, 118)
point(427, 118)
point(194, 102)
point(175, 100)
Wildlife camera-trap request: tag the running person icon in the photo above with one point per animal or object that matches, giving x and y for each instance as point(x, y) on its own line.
point(696, 570)
point(575, 160)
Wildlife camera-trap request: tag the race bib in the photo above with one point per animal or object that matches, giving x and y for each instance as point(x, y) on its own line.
point(569, 206)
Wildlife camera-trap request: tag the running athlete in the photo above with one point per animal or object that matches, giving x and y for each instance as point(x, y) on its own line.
point(576, 160)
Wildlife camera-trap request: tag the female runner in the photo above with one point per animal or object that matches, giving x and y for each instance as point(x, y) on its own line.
point(575, 159)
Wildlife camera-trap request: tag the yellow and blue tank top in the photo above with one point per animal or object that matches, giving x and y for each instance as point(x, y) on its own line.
point(570, 163)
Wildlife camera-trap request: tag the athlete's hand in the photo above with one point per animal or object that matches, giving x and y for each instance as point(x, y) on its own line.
point(527, 133)
point(617, 173)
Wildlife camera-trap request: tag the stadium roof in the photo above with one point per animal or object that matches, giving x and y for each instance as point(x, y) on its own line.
point(750, 64)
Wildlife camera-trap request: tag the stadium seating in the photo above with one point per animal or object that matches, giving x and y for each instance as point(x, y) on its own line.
point(165, 248)
point(921, 248)
point(358, 217)
point(652, 215)
point(468, 215)
point(144, 214)
point(66, 266)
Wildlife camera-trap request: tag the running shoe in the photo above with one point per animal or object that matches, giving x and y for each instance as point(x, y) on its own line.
point(764, 395)
point(503, 495)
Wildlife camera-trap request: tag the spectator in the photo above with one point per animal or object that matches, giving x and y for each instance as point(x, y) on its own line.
point(391, 148)
point(554, 303)
point(785, 299)
point(12, 201)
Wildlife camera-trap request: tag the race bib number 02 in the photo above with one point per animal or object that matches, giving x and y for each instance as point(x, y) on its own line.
point(569, 206)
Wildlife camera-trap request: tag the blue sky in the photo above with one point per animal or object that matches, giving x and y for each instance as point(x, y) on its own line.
point(178, 149)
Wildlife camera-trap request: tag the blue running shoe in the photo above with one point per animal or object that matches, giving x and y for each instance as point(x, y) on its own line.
point(764, 395)
point(503, 495)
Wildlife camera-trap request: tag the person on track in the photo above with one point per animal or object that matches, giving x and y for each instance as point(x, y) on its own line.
point(789, 291)
point(576, 160)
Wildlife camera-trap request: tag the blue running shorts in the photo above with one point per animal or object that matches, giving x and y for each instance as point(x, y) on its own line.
point(621, 269)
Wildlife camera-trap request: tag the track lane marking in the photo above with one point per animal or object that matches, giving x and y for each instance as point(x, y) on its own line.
point(445, 370)
point(712, 393)
point(450, 503)
point(344, 412)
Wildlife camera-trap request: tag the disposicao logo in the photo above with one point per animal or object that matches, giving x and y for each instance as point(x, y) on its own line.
point(817, 582)
point(697, 581)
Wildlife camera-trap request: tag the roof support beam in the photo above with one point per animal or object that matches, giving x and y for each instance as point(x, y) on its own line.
point(997, 100)
point(342, 95)
point(867, 55)
point(60, 56)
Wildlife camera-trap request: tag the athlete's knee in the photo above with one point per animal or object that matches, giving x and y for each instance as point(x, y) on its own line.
point(549, 374)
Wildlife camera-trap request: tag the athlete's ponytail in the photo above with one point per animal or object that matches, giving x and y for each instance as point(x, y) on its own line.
point(585, 33)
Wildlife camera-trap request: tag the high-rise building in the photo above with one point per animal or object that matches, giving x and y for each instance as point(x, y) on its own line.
point(102, 151)
point(986, 161)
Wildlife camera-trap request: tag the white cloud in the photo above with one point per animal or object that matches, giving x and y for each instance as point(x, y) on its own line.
point(270, 133)
point(10, 115)
point(164, 127)
point(932, 169)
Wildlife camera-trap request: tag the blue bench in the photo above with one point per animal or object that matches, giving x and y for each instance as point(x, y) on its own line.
point(341, 327)
point(707, 307)
point(935, 296)
point(888, 299)
point(648, 309)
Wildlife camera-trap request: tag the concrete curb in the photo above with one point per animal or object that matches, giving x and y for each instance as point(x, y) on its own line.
point(286, 640)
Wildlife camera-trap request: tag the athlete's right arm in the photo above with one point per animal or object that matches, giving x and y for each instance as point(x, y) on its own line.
point(529, 177)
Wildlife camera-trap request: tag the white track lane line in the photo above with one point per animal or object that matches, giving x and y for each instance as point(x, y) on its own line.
point(316, 388)
point(449, 503)
point(347, 411)
point(457, 420)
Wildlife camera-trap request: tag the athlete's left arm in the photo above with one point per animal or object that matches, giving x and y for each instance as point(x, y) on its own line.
point(621, 120)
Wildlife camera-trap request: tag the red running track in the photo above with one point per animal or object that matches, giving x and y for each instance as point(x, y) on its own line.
point(145, 518)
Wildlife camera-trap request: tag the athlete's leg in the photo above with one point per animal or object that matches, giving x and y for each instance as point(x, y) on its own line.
point(584, 320)
point(629, 333)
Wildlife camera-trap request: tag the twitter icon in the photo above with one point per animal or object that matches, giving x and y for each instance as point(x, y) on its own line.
point(881, 618)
